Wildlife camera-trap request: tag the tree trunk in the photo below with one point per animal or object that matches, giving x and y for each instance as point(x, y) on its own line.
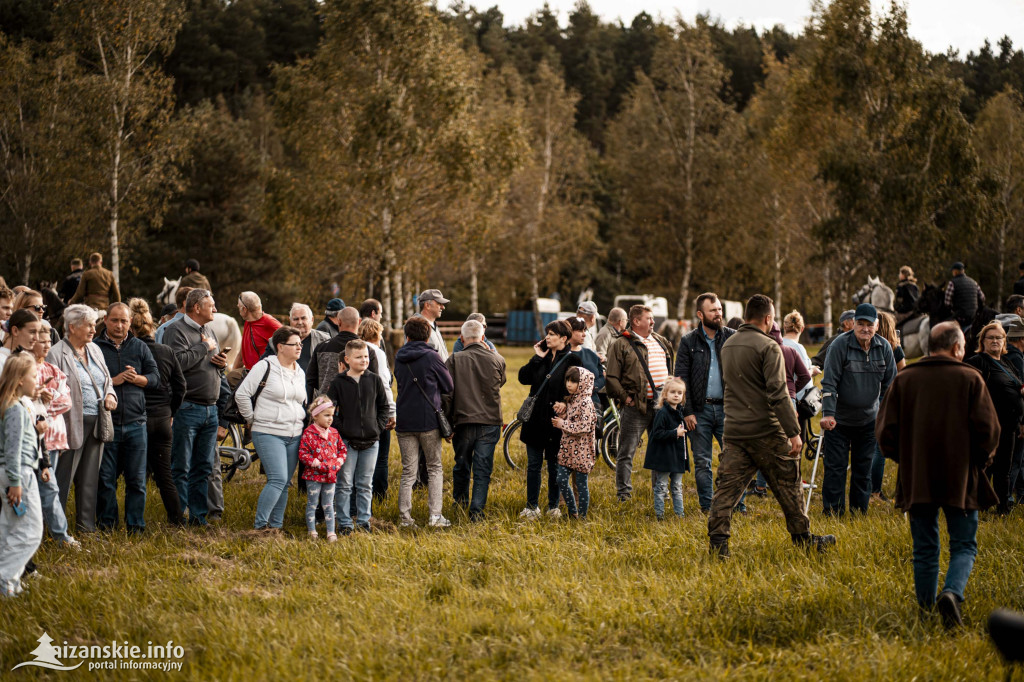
point(684, 287)
point(542, 197)
point(408, 310)
point(115, 256)
point(827, 302)
point(399, 318)
point(369, 284)
point(535, 294)
point(777, 274)
point(1002, 262)
point(474, 285)
point(389, 260)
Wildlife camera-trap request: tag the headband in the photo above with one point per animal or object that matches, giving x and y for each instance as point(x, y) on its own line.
point(322, 406)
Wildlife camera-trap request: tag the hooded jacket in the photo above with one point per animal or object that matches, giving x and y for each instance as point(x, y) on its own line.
point(577, 448)
point(666, 451)
point(280, 408)
point(417, 360)
point(361, 408)
point(323, 363)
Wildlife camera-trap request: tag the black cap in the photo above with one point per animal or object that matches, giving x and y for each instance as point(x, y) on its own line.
point(957, 266)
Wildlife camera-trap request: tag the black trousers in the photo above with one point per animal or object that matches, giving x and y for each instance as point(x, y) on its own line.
point(158, 454)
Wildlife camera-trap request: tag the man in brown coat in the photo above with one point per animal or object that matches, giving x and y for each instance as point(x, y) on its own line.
point(938, 422)
point(97, 288)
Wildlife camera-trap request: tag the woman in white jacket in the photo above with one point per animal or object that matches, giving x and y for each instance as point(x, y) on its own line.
point(276, 421)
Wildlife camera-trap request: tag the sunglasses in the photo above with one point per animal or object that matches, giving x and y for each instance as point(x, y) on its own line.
point(38, 308)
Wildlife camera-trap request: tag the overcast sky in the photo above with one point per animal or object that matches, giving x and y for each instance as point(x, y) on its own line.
point(938, 24)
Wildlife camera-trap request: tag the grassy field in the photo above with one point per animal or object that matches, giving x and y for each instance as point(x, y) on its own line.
point(618, 596)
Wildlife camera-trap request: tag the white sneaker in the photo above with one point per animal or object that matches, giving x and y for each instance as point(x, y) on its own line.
point(407, 523)
point(555, 513)
point(439, 521)
point(529, 513)
point(72, 543)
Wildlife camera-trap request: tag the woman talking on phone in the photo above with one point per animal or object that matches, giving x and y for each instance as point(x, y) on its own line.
point(545, 375)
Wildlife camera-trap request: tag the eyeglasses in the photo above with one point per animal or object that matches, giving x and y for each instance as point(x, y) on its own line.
point(38, 308)
point(992, 337)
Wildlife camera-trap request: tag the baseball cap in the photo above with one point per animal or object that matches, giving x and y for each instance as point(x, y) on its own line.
point(866, 311)
point(168, 309)
point(335, 304)
point(847, 315)
point(434, 295)
point(587, 308)
point(957, 266)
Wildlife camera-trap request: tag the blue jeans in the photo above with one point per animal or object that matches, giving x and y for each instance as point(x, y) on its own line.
point(380, 472)
point(710, 424)
point(49, 499)
point(280, 456)
point(662, 482)
point(582, 489)
point(357, 472)
point(193, 456)
point(963, 548)
point(877, 470)
point(125, 455)
point(474, 455)
point(322, 495)
point(534, 464)
point(854, 445)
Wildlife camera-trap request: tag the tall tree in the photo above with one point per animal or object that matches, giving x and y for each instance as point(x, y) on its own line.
point(121, 41)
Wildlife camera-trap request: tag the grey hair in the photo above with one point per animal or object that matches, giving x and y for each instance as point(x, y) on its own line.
point(302, 306)
point(472, 331)
point(76, 314)
point(195, 297)
point(478, 317)
point(616, 315)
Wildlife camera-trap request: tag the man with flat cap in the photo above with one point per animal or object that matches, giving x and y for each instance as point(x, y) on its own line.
point(858, 370)
point(845, 325)
point(587, 311)
point(432, 304)
point(963, 296)
point(330, 321)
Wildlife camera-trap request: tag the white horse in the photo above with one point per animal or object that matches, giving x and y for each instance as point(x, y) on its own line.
point(877, 294)
point(224, 327)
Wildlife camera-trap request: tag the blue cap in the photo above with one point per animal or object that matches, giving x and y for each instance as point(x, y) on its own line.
point(866, 311)
point(335, 304)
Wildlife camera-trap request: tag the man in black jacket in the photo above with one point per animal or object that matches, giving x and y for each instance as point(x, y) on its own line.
point(698, 363)
point(132, 369)
point(323, 365)
point(963, 296)
point(70, 284)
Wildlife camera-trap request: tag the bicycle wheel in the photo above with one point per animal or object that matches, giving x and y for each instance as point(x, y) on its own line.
point(610, 444)
point(233, 455)
point(513, 448)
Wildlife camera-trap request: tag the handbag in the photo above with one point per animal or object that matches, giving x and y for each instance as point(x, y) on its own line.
point(443, 425)
point(810, 404)
point(103, 431)
point(230, 412)
point(526, 409)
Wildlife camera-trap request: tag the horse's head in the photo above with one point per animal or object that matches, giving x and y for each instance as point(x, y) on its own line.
point(874, 281)
point(862, 293)
point(166, 294)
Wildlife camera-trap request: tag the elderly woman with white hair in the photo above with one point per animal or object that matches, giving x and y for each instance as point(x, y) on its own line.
point(90, 383)
point(301, 317)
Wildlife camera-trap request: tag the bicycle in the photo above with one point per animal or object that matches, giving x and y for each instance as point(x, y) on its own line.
point(234, 456)
point(515, 450)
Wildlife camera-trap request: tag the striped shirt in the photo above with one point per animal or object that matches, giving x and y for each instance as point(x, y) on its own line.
point(657, 363)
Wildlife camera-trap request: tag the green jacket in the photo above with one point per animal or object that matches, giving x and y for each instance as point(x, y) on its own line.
point(757, 402)
point(624, 375)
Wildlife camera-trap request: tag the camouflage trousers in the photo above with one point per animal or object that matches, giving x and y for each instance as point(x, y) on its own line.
point(739, 461)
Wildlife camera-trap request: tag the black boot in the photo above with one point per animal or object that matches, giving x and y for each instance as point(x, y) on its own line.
point(948, 607)
point(719, 547)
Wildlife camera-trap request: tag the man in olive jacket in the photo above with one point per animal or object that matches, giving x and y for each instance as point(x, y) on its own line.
point(938, 421)
point(97, 288)
point(761, 430)
point(637, 352)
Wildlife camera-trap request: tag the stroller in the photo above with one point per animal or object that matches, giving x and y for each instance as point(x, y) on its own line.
point(807, 409)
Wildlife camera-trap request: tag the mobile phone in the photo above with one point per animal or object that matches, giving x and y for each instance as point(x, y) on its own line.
point(19, 509)
point(225, 350)
point(543, 345)
point(49, 381)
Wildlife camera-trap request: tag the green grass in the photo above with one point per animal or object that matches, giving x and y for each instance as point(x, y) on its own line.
point(618, 596)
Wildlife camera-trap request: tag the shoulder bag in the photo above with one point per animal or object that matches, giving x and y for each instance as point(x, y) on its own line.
point(526, 410)
point(443, 425)
point(231, 412)
point(655, 392)
point(104, 429)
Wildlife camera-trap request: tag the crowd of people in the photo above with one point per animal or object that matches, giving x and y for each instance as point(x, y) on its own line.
point(87, 405)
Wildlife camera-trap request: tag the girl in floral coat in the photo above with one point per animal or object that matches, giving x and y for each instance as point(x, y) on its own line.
point(323, 452)
point(577, 449)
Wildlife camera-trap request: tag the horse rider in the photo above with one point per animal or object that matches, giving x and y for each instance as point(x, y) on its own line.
point(907, 295)
point(963, 296)
point(193, 278)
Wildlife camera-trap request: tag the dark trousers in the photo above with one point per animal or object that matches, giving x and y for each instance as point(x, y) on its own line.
point(158, 453)
point(999, 471)
point(535, 457)
point(1016, 478)
point(853, 446)
point(123, 456)
point(739, 462)
point(474, 456)
point(380, 471)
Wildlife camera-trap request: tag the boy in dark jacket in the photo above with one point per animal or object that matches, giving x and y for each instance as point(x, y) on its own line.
point(362, 411)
